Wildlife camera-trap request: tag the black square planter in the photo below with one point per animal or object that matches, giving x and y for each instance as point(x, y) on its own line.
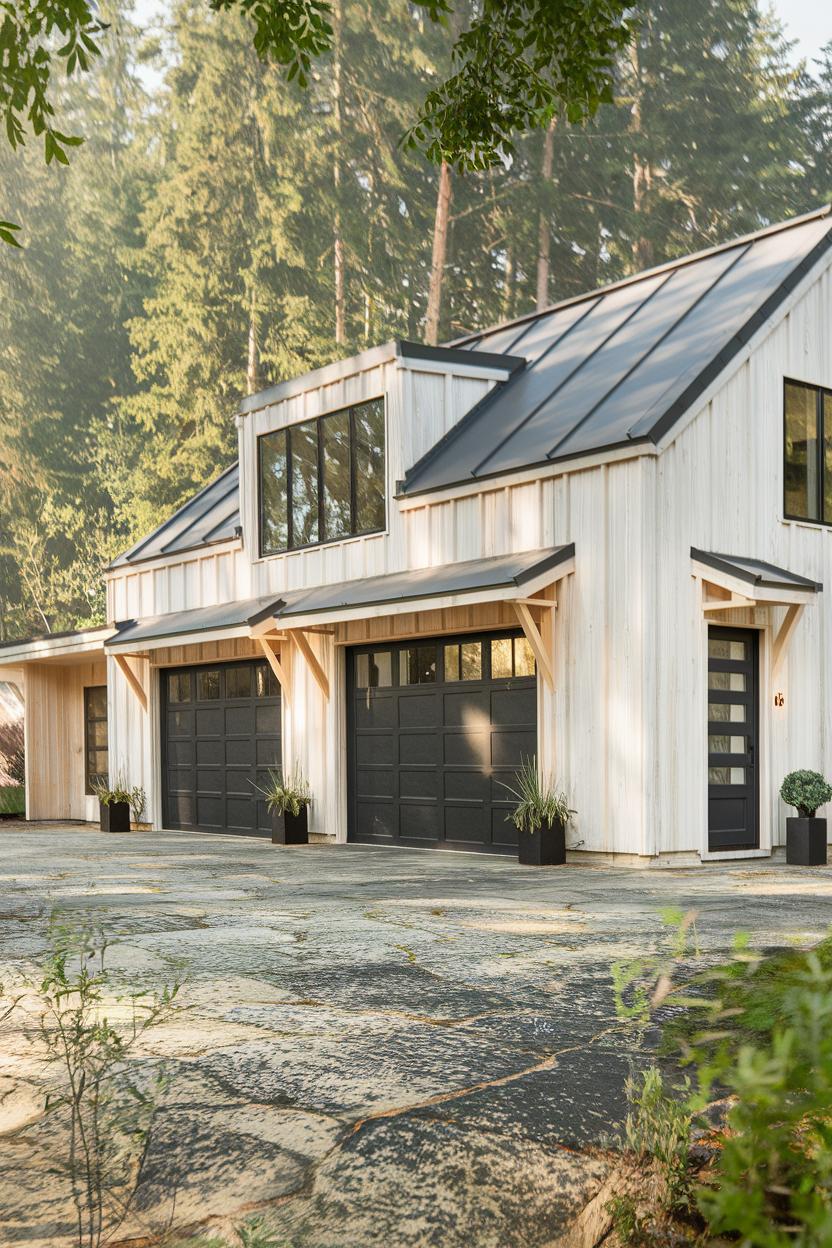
point(115, 817)
point(806, 842)
point(545, 847)
point(288, 829)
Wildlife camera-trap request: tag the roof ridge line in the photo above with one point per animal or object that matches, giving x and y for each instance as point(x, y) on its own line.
point(680, 262)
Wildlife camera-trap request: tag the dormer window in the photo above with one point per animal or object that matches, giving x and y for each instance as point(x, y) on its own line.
point(807, 455)
point(322, 480)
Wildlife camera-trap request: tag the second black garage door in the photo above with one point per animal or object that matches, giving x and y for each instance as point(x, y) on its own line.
point(434, 727)
point(220, 736)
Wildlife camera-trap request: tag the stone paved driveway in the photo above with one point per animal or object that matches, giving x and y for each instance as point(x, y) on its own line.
point(383, 1047)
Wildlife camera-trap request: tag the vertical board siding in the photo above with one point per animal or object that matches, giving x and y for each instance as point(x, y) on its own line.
point(55, 745)
point(720, 487)
point(624, 732)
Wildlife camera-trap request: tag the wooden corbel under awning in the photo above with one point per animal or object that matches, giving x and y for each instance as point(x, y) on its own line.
point(538, 632)
point(277, 649)
point(300, 638)
point(731, 582)
point(136, 687)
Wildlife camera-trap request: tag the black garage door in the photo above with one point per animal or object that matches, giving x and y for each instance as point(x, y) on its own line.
point(434, 727)
point(220, 736)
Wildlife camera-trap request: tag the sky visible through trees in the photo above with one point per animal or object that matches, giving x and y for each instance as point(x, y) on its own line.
point(221, 229)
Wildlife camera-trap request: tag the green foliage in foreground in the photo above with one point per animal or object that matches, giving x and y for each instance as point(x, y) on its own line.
point(12, 799)
point(756, 1035)
point(103, 1100)
point(538, 801)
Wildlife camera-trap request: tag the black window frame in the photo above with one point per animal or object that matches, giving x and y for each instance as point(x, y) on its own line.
point(89, 747)
point(354, 532)
point(820, 392)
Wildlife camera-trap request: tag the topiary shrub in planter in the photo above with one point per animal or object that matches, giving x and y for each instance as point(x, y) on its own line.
point(288, 799)
point(540, 817)
point(805, 835)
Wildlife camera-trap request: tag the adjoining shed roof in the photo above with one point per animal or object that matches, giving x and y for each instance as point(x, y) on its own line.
point(621, 365)
point(502, 576)
point(755, 572)
point(212, 515)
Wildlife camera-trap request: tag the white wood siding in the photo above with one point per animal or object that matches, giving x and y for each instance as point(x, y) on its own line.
point(624, 731)
point(719, 487)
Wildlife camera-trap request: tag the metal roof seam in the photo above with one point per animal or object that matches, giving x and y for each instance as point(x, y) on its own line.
point(198, 519)
point(679, 262)
point(140, 545)
point(674, 326)
point(551, 454)
point(475, 471)
point(702, 380)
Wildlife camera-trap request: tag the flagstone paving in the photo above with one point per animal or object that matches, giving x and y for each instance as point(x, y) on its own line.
point(380, 1047)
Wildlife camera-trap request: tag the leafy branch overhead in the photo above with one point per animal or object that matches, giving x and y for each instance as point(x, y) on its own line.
point(515, 66)
point(28, 31)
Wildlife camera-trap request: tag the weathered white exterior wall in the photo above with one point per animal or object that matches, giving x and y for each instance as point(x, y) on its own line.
point(719, 486)
point(625, 730)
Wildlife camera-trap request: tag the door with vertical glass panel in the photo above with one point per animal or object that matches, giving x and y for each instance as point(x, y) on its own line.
point(733, 713)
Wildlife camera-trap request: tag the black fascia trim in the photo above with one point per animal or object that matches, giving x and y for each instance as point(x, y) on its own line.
point(725, 563)
point(677, 409)
point(271, 608)
point(459, 355)
point(561, 555)
point(602, 449)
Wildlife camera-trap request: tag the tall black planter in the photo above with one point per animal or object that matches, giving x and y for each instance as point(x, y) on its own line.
point(545, 847)
point(115, 817)
point(806, 842)
point(288, 829)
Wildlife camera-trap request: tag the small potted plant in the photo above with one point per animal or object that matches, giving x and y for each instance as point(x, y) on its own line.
point(113, 803)
point(288, 799)
point(540, 817)
point(805, 835)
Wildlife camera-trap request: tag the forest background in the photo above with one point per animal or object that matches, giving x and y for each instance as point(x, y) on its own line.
point(221, 229)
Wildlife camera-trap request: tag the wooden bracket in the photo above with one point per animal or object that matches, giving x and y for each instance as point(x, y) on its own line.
point(132, 679)
point(535, 640)
point(312, 660)
point(281, 670)
point(784, 635)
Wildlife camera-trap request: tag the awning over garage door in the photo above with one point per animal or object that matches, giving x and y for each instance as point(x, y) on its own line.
point(504, 577)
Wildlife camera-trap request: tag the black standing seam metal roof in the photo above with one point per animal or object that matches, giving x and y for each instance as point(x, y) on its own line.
point(212, 515)
point(755, 571)
point(471, 576)
point(621, 365)
point(615, 367)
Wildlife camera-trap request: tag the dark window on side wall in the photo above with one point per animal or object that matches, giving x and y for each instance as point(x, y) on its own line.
point(322, 480)
point(96, 753)
point(807, 455)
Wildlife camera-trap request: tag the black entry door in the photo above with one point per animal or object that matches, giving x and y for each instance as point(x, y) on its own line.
point(435, 726)
point(733, 717)
point(220, 736)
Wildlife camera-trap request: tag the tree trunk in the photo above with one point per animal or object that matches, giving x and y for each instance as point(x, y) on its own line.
point(338, 241)
point(253, 366)
point(440, 251)
point(544, 229)
point(642, 172)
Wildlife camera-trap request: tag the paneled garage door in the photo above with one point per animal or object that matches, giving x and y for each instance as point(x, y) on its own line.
point(220, 735)
point(435, 726)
